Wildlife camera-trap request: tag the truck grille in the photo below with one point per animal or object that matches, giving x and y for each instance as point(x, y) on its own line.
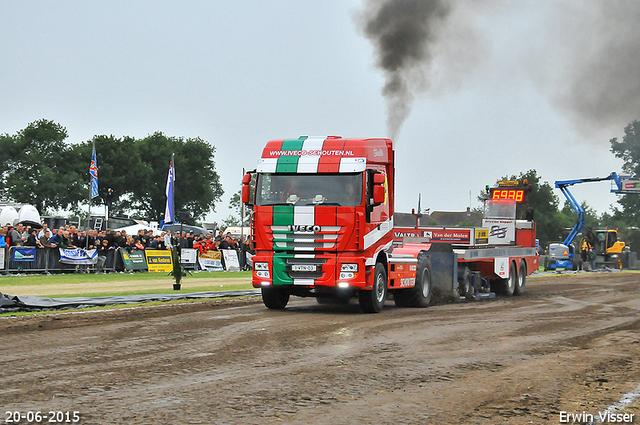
point(317, 262)
point(286, 240)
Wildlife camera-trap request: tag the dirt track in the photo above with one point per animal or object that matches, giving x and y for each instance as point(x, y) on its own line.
point(570, 344)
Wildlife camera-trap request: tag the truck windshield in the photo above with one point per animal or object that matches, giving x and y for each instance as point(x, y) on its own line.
point(500, 209)
point(309, 189)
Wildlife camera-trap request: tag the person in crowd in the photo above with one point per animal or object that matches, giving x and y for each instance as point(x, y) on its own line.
point(7, 235)
point(110, 237)
point(220, 236)
point(150, 237)
point(91, 243)
point(189, 240)
point(22, 231)
point(140, 244)
point(74, 236)
point(129, 245)
point(168, 243)
point(66, 241)
point(81, 240)
point(154, 243)
point(3, 237)
point(104, 247)
point(226, 242)
point(45, 230)
point(592, 258)
point(56, 240)
point(44, 239)
point(122, 238)
point(15, 237)
point(32, 240)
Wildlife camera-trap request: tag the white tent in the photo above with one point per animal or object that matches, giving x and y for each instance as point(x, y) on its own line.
point(133, 230)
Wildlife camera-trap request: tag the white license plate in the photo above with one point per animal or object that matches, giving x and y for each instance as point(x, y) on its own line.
point(303, 268)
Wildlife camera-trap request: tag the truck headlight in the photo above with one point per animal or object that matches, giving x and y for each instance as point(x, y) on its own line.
point(348, 270)
point(261, 269)
point(261, 266)
point(349, 267)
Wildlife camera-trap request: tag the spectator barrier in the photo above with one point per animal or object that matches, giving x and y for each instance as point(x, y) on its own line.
point(20, 259)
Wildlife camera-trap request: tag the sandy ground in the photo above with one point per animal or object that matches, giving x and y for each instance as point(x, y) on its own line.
point(570, 344)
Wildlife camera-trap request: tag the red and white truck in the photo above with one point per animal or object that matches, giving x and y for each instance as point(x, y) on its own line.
point(323, 226)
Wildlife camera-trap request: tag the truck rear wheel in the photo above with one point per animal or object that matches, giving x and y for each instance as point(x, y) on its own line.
point(465, 289)
point(522, 278)
point(373, 301)
point(509, 285)
point(274, 298)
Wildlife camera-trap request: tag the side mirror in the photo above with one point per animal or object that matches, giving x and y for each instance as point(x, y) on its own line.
point(378, 178)
point(378, 194)
point(246, 189)
point(378, 188)
point(245, 194)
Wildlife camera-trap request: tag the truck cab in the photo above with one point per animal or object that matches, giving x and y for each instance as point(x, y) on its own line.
point(322, 212)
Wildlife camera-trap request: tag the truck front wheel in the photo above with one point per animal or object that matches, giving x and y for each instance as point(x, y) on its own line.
point(373, 301)
point(274, 298)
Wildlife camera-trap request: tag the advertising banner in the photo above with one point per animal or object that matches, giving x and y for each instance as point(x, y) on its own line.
point(231, 262)
point(188, 256)
point(159, 260)
point(501, 232)
point(78, 256)
point(23, 253)
point(134, 260)
point(211, 261)
point(628, 185)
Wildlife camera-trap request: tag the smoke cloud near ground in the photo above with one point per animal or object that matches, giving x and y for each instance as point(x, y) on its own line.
point(583, 57)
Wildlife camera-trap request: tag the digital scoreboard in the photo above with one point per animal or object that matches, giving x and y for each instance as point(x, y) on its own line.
point(517, 193)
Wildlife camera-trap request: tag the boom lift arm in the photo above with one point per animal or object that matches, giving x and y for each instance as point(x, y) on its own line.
point(563, 185)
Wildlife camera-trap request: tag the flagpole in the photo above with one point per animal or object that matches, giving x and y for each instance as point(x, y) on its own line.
point(93, 191)
point(86, 245)
point(169, 210)
point(173, 193)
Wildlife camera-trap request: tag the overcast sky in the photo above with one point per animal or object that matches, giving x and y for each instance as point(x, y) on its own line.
point(504, 86)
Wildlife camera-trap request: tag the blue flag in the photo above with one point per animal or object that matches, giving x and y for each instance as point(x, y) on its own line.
point(93, 170)
point(168, 212)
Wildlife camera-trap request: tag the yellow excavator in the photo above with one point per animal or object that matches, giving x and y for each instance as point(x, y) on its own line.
point(609, 250)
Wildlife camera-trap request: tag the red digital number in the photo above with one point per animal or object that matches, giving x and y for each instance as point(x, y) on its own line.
point(517, 194)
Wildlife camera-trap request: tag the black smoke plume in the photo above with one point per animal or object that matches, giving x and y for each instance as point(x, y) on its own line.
point(402, 33)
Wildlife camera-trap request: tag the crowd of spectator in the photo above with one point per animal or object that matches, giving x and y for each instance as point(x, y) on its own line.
point(69, 236)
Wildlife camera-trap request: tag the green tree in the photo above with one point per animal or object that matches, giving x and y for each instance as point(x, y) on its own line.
point(136, 170)
point(41, 169)
point(119, 168)
point(36, 167)
point(629, 151)
point(197, 185)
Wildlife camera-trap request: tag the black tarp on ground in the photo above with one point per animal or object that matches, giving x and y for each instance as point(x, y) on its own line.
point(9, 303)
